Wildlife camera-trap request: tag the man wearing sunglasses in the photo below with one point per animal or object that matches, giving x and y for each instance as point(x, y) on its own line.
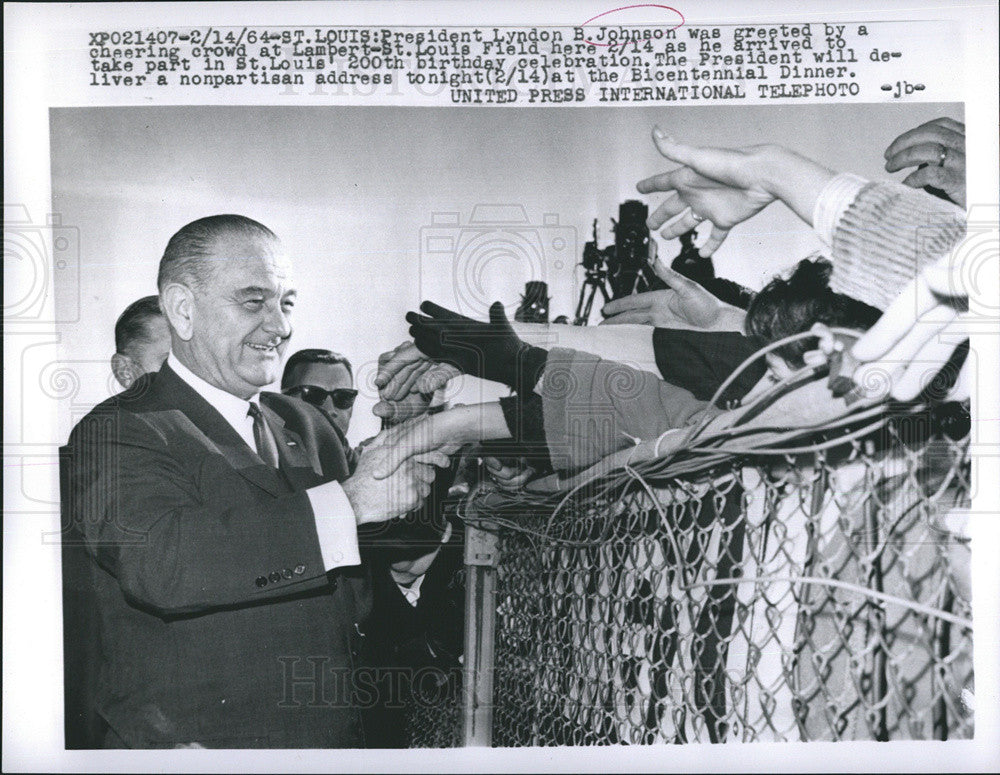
point(412, 612)
point(324, 379)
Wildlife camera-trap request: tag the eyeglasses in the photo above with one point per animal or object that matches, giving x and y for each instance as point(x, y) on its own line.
point(343, 398)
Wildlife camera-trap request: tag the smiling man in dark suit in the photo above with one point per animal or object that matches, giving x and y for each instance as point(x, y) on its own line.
point(220, 519)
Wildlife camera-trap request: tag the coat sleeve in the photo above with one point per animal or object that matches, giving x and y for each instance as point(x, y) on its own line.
point(176, 544)
point(594, 407)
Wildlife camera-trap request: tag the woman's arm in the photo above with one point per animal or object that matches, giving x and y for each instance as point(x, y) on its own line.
point(728, 186)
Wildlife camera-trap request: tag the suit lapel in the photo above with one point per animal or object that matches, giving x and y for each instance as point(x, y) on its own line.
point(229, 443)
point(293, 456)
point(318, 452)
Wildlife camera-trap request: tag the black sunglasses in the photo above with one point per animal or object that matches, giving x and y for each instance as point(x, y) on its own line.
point(343, 398)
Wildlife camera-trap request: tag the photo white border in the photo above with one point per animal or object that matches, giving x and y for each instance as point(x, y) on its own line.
point(32, 656)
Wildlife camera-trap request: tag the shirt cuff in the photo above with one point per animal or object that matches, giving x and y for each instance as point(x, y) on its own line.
point(833, 202)
point(336, 525)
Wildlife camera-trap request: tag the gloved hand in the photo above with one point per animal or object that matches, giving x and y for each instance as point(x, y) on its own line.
point(487, 350)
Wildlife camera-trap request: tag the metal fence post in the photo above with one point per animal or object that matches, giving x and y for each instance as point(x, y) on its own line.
point(481, 556)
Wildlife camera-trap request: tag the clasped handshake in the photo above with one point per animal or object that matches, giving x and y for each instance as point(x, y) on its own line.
point(444, 345)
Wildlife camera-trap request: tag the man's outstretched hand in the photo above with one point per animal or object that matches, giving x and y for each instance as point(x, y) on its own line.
point(917, 335)
point(727, 186)
point(508, 475)
point(937, 149)
point(445, 432)
point(394, 473)
point(407, 380)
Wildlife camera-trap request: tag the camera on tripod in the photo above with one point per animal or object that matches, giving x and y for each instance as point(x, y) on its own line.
point(620, 269)
point(624, 268)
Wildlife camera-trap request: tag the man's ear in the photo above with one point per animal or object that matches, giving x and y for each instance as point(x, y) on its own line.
point(177, 302)
point(123, 369)
point(446, 536)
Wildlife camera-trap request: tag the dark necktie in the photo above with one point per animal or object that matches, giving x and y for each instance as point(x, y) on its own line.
point(266, 446)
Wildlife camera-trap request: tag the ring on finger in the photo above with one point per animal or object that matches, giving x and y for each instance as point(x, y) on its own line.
point(697, 218)
point(942, 155)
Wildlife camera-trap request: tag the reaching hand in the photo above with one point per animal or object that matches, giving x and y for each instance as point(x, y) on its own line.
point(445, 432)
point(487, 350)
point(684, 305)
point(938, 144)
point(916, 336)
point(407, 380)
point(728, 186)
point(724, 186)
point(391, 478)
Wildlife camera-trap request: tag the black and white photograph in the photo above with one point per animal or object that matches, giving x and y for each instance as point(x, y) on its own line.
point(456, 427)
point(383, 237)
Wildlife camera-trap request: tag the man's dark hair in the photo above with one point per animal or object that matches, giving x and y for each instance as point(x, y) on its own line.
point(133, 323)
point(303, 357)
point(792, 305)
point(184, 259)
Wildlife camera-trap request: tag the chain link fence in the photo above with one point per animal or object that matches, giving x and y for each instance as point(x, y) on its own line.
point(433, 720)
point(818, 597)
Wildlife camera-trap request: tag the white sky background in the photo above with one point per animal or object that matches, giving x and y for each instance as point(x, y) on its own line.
point(352, 191)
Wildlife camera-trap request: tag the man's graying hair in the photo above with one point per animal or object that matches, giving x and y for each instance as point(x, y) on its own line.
point(185, 259)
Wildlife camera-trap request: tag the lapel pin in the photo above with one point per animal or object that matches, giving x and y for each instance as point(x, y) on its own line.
point(290, 443)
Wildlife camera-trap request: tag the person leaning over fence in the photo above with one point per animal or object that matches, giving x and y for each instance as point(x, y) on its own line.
point(581, 407)
point(697, 342)
point(696, 345)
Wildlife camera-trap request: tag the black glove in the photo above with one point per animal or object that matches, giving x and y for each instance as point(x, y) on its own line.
point(488, 350)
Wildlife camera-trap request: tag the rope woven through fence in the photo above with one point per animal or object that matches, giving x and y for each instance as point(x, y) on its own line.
point(810, 584)
point(820, 602)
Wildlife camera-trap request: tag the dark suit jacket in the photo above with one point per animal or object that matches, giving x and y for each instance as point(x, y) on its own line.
point(218, 621)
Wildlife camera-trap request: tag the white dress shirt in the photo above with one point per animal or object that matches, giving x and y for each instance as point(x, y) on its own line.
point(336, 525)
point(412, 591)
